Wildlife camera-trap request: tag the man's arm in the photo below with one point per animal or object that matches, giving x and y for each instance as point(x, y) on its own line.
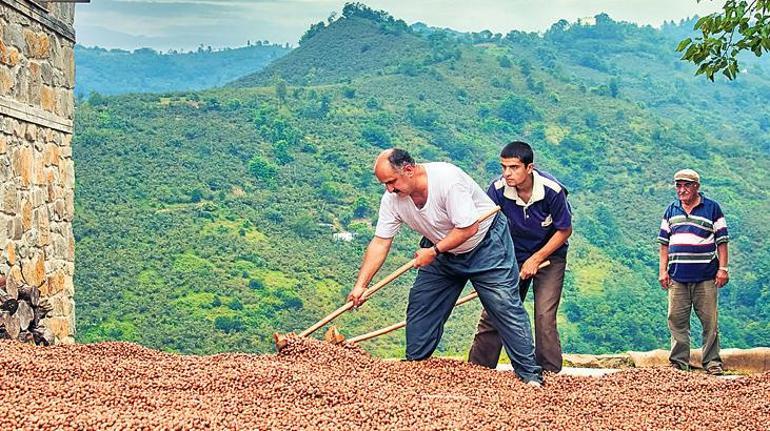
point(722, 275)
point(721, 237)
point(454, 238)
point(663, 278)
point(374, 257)
point(530, 266)
point(664, 237)
point(562, 222)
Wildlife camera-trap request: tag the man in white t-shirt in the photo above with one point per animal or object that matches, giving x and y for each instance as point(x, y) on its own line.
point(443, 203)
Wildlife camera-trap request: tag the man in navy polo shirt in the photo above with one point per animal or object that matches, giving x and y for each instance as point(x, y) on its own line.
point(540, 221)
point(693, 266)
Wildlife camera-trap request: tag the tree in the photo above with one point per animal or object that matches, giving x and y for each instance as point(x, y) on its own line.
point(229, 324)
point(361, 207)
point(518, 110)
point(330, 191)
point(196, 195)
point(263, 169)
point(280, 89)
point(741, 26)
point(96, 99)
point(376, 135)
point(256, 284)
point(558, 30)
point(303, 225)
point(312, 31)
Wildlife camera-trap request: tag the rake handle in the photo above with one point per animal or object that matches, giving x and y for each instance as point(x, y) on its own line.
point(372, 290)
point(369, 292)
point(399, 325)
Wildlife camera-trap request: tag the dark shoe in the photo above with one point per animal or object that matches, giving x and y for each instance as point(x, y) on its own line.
point(715, 370)
point(678, 367)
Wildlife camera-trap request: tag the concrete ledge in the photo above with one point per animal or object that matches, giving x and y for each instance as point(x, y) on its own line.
point(756, 360)
point(622, 360)
point(572, 371)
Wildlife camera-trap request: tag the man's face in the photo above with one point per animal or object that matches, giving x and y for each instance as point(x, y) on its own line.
point(397, 181)
point(514, 171)
point(686, 191)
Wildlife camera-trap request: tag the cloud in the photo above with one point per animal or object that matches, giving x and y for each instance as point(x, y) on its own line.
point(168, 24)
point(185, 24)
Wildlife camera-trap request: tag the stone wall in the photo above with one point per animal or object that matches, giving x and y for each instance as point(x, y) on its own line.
point(37, 77)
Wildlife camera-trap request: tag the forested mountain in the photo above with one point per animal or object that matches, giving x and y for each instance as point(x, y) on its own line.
point(116, 71)
point(206, 219)
point(324, 56)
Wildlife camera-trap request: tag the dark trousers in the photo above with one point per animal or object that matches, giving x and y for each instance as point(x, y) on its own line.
point(492, 270)
point(547, 285)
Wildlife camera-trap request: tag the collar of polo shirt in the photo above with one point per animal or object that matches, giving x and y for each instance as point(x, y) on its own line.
point(538, 191)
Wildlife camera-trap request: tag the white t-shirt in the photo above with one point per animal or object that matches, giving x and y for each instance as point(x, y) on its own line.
point(454, 200)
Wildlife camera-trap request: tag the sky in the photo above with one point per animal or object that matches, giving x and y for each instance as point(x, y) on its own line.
point(187, 24)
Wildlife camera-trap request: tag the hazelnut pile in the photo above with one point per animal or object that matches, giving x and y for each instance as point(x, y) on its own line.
point(315, 385)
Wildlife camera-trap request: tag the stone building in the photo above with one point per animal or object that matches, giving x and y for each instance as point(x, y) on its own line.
point(37, 78)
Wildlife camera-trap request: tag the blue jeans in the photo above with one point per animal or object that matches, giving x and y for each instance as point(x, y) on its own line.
point(491, 268)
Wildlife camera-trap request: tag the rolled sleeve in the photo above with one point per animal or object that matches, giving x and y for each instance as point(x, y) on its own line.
point(664, 235)
point(388, 222)
point(460, 207)
point(720, 231)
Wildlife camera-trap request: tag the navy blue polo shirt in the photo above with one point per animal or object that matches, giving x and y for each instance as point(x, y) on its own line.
point(692, 240)
point(533, 223)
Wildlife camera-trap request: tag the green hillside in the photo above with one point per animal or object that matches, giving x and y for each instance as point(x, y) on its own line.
point(116, 71)
point(373, 43)
point(205, 219)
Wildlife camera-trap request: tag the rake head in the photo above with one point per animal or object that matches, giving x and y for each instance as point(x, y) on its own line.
point(334, 336)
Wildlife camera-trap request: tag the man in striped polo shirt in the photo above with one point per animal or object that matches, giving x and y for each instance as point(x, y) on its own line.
point(693, 266)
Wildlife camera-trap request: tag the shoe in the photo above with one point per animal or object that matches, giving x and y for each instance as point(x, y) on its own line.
point(715, 370)
point(535, 384)
point(679, 367)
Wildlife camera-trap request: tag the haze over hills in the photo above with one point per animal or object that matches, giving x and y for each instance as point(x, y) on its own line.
point(205, 219)
point(145, 70)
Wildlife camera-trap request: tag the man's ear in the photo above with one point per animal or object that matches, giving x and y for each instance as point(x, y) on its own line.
point(530, 167)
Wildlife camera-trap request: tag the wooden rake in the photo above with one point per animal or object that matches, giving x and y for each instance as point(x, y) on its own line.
point(281, 340)
point(334, 336)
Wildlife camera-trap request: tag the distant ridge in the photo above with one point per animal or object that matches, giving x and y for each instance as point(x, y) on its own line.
point(145, 70)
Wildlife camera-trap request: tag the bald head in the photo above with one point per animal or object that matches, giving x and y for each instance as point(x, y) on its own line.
point(393, 158)
point(395, 169)
point(382, 161)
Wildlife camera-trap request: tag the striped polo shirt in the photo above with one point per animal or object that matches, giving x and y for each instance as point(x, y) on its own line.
point(692, 240)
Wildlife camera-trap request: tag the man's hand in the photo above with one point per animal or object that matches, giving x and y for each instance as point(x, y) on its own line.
point(722, 278)
point(356, 295)
point(424, 257)
point(529, 267)
point(664, 279)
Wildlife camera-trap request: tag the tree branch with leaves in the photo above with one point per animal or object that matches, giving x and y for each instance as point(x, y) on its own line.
point(740, 26)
